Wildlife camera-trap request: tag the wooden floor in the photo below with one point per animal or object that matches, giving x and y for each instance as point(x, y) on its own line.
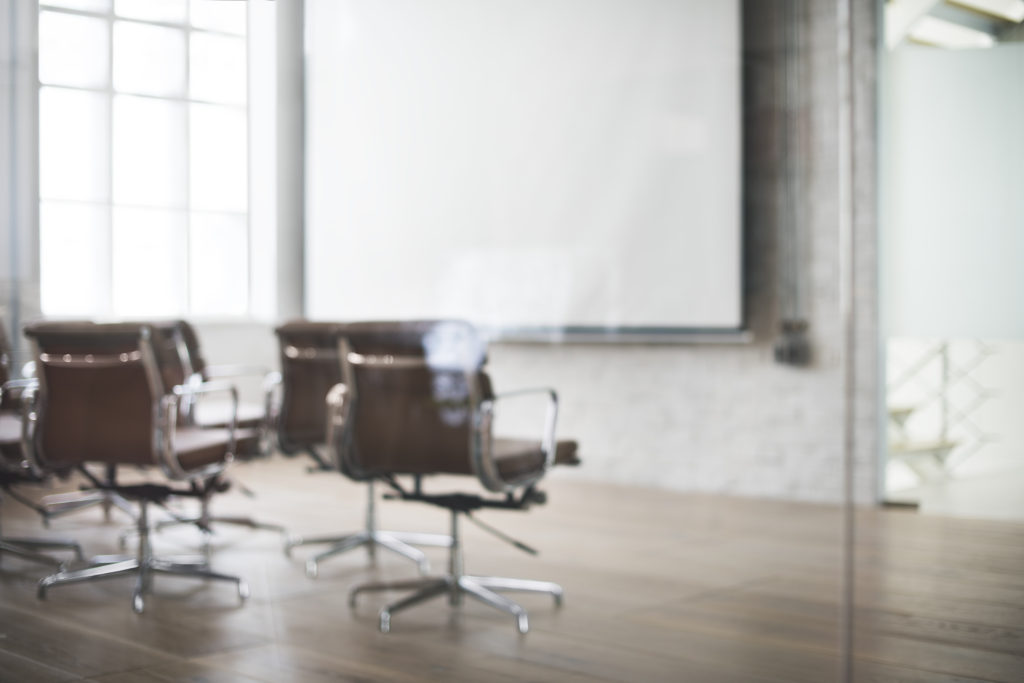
point(659, 587)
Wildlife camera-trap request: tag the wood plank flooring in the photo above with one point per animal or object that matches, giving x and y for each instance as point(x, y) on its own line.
point(660, 586)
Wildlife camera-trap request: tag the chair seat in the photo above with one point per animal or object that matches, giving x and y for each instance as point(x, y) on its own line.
point(198, 447)
point(518, 459)
point(250, 420)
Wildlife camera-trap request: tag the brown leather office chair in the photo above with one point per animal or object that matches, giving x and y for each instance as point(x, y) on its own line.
point(253, 420)
point(101, 400)
point(15, 467)
point(58, 505)
point(181, 362)
point(416, 401)
point(309, 368)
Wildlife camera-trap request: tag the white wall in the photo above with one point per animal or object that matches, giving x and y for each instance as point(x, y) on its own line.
point(954, 168)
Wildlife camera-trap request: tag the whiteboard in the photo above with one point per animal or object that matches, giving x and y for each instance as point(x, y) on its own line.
point(524, 163)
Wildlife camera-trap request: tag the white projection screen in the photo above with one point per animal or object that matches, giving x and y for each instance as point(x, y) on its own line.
point(525, 164)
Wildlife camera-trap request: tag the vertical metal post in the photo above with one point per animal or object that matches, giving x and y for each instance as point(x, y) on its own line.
point(846, 258)
point(455, 562)
point(143, 526)
point(371, 518)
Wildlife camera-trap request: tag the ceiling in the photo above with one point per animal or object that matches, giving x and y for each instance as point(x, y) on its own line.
point(954, 23)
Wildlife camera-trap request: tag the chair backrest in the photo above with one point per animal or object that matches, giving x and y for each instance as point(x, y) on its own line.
point(191, 350)
point(176, 359)
point(309, 368)
point(413, 388)
point(99, 393)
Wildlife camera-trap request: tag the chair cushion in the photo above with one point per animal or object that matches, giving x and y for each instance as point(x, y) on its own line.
point(247, 443)
point(518, 459)
point(567, 453)
point(199, 447)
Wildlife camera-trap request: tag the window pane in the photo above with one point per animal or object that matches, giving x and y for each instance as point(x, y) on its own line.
point(219, 264)
point(149, 266)
point(74, 145)
point(219, 167)
point(149, 59)
point(217, 70)
point(149, 152)
point(154, 10)
point(72, 50)
point(87, 5)
point(75, 252)
point(218, 15)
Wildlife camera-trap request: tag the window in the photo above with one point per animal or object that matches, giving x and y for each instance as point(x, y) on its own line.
point(143, 168)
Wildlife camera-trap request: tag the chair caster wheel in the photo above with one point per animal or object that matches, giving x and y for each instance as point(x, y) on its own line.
point(522, 624)
point(312, 570)
point(385, 621)
point(243, 591)
point(138, 604)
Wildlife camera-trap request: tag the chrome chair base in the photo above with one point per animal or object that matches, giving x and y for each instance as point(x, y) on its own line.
point(144, 570)
point(60, 504)
point(144, 566)
point(456, 584)
point(398, 542)
point(28, 549)
point(482, 588)
point(199, 521)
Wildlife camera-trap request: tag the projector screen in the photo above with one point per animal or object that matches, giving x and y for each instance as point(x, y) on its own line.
point(524, 164)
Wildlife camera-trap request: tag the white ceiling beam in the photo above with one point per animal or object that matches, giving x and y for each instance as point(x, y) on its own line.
point(1010, 10)
point(942, 33)
point(901, 15)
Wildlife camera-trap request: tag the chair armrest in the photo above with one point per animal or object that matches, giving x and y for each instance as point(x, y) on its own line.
point(165, 435)
point(24, 391)
point(272, 388)
point(14, 389)
point(337, 420)
point(483, 451)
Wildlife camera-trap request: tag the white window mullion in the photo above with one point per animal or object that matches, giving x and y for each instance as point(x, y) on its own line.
point(188, 158)
point(108, 248)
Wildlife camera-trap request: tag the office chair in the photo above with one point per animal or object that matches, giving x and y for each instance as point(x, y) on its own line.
point(180, 361)
point(309, 368)
point(60, 504)
point(101, 400)
point(253, 420)
point(416, 401)
point(15, 467)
